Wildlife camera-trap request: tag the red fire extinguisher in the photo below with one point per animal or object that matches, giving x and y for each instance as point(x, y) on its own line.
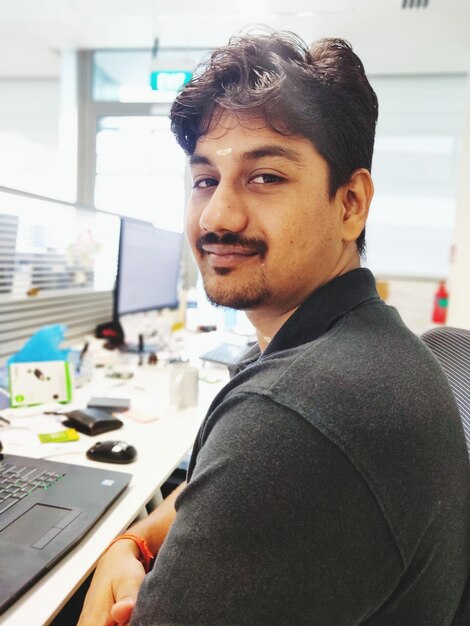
point(441, 300)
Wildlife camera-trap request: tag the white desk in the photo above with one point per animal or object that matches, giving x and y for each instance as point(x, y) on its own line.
point(161, 445)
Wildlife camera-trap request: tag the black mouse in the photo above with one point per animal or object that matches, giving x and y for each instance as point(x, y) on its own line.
point(112, 452)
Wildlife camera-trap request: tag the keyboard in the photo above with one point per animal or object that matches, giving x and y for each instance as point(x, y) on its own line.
point(17, 482)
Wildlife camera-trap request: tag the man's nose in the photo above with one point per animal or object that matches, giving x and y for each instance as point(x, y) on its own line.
point(225, 211)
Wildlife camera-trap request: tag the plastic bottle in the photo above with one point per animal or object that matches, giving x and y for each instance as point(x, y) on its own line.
point(441, 300)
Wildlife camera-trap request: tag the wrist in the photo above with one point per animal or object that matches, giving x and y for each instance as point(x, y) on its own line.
point(141, 549)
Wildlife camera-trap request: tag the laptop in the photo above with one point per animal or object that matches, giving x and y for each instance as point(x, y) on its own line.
point(226, 353)
point(45, 510)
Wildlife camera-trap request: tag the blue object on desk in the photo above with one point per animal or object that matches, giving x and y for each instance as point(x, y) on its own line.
point(43, 346)
point(4, 399)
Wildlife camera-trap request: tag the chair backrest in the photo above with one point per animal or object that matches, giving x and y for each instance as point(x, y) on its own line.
point(451, 346)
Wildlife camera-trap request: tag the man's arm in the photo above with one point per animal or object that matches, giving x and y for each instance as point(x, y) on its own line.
point(119, 574)
point(276, 526)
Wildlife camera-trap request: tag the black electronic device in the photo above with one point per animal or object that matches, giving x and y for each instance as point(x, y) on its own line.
point(148, 271)
point(109, 404)
point(225, 353)
point(112, 452)
point(112, 332)
point(91, 421)
point(46, 508)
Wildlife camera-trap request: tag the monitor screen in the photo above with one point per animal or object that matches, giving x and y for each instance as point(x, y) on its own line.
point(148, 268)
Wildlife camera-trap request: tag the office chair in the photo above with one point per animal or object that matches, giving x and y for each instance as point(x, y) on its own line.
point(451, 346)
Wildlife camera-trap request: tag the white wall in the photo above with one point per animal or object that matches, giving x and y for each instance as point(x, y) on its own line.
point(459, 280)
point(31, 154)
point(411, 222)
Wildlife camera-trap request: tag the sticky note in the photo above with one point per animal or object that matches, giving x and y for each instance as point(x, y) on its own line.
point(61, 436)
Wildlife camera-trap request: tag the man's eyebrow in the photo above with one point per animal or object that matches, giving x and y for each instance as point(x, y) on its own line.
point(273, 150)
point(199, 159)
point(268, 150)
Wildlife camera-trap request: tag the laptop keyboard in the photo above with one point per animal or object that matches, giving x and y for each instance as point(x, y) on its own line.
point(17, 482)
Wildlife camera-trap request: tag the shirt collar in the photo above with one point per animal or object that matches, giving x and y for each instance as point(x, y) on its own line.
point(323, 308)
point(318, 313)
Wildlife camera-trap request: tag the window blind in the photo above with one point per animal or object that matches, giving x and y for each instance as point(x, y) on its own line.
point(57, 265)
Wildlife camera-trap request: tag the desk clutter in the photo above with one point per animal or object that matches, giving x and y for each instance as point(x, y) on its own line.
point(134, 398)
point(49, 409)
point(42, 371)
point(123, 412)
point(120, 392)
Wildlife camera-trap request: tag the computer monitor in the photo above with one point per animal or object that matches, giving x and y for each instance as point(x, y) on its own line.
point(148, 268)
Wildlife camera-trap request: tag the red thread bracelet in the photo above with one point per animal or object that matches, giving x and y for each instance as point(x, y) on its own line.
point(145, 553)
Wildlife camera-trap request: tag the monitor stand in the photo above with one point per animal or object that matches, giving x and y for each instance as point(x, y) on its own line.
point(141, 347)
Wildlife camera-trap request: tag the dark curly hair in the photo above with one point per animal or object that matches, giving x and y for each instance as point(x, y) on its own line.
point(320, 93)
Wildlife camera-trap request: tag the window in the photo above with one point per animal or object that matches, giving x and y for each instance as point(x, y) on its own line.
point(131, 163)
point(411, 221)
point(140, 170)
point(57, 265)
point(124, 75)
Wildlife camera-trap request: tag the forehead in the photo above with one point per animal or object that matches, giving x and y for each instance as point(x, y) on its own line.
point(224, 121)
point(234, 134)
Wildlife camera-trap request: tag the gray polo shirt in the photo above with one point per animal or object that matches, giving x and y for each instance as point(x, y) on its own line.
point(329, 482)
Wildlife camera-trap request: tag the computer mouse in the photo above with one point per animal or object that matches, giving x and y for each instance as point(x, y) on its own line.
point(112, 452)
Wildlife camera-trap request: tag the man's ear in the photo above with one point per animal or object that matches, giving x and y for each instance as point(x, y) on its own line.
point(356, 196)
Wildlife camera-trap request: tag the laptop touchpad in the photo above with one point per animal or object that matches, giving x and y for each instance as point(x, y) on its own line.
point(38, 525)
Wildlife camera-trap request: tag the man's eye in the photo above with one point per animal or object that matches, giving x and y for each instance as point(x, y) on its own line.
point(263, 179)
point(204, 183)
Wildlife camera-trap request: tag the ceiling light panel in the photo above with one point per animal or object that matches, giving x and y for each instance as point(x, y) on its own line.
point(305, 7)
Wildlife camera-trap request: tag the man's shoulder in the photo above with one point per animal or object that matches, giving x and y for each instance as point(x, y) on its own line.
point(368, 349)
point(366, 379)
point(373, 389)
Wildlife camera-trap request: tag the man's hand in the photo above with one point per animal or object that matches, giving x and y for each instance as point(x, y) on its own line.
point(113, 592)
point(114, 588)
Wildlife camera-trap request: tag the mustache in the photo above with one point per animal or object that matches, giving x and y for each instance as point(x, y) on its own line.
point(252, 244)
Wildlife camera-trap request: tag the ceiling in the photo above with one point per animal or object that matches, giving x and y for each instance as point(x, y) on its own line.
point(388, 37)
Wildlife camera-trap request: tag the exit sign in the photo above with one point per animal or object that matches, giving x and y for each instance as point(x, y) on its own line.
point(169, 80)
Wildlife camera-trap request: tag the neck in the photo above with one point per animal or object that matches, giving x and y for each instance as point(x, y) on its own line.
point(266, 325)
point(267, 322)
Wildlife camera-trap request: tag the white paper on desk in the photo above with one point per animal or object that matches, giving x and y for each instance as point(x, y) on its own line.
point(139, 415)
point(21, 437)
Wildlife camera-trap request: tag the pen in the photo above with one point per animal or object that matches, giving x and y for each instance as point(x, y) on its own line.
point(81, 356)
point(5, 420)
point(141, 349)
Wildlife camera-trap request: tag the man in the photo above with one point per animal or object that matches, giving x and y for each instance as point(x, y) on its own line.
point(329, 482)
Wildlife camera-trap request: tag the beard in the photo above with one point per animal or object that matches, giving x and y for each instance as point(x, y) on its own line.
point(250, 295)
point(232, 291)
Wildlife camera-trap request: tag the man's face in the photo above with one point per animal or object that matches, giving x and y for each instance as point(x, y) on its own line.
point(260, 221)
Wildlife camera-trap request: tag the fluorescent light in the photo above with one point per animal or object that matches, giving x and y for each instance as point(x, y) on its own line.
point(309, 7)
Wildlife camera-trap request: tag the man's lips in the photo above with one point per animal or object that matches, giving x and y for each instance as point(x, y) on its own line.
point(228, 256)
point(227, 250)
point(230, 250)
